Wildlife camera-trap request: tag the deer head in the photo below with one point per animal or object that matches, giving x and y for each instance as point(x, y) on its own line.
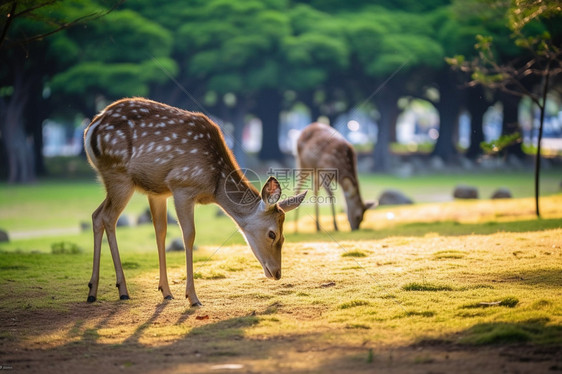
point(263, 229)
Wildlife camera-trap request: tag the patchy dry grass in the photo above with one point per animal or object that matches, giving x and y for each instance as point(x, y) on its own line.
point(396, 300)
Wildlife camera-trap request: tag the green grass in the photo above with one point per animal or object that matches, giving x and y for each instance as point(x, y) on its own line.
point(479, 273)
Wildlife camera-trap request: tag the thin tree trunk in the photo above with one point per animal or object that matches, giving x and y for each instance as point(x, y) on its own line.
point(477, 106)
point(449, 109)
point(387, 103)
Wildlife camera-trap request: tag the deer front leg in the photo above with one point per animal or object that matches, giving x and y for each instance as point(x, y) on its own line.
point(184, 209)
point(159, 210)
point(97, 225)
point(331, 197)
point(316, 186)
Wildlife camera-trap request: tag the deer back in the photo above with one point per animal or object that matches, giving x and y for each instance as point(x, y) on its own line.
point(158, 146)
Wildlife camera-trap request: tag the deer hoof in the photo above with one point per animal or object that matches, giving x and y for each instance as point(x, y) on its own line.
point(197, 304)
point(169, 297)
point(91, 299)
point(124, 297)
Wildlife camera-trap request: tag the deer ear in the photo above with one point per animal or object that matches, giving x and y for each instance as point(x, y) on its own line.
point(292, 202)
point(371, 204)
point(271, 191)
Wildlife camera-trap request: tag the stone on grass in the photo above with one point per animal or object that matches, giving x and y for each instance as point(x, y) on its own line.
point(4, 238)
point(177, 245)
point(502, 193)
point(465, 192)
point(146, 218)
point(124, 221)
point(394, 197)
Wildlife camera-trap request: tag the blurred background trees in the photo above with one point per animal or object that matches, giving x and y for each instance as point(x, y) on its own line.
point(264, 69)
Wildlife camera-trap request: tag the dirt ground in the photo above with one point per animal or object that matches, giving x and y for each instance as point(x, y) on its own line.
point(199, 353)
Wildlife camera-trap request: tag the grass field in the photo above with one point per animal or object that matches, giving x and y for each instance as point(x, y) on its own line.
point(469, 286)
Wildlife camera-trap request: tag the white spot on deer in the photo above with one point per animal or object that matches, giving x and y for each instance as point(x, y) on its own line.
point(143, 124)
point(222, 174)
point(196, 172)
point(174, 135)
point(167, 147)
point(150, 147)
point(185, 168)
point(134, 111)
point(120, 134)
point(180, 151)
point(109, 127)
point(157, 132)
point(167, 139)
point(114, 141)
point(135, 134)
point(184, 140)
point(171, 122)
point(164, 117)
point(144, 133)
point(194, 150)
point(209, 135)
point(116, 115)
point(131, 123)
point(205, 153)
point(159, 148)
point(123, 117)
point(189, 133)
point(144, 110)
point(151, 124)
point(107, 137)
point(191, 124)
point(161, 124)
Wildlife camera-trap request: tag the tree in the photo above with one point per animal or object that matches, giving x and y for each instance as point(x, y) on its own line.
point(390, 47)
point(535, 29)
point(24, 64)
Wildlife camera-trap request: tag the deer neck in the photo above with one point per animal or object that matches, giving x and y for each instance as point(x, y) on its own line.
point(352, 194)
point(237, 197)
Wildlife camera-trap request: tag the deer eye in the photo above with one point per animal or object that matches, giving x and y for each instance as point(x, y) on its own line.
point(272, 235)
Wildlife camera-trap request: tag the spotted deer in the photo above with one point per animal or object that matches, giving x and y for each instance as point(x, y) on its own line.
point(323, 149)
point(162, 151)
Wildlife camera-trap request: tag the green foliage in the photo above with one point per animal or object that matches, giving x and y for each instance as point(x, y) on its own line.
point(496, 146)
point(65, 247)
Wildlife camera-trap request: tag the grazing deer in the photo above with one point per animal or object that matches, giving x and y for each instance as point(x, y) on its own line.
point(162, 151)
point(320, 147)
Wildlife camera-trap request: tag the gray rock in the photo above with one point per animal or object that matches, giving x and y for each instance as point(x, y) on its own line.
point(502, 193)
point(85, 226)
point(4, 238)
point(436, 163)
point(177, 245)
point(124, 221)
point(465, 192)
point(394, 197)
point(146, 218)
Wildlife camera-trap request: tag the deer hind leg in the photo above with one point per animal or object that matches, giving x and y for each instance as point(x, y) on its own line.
point(159, 210)
point(97, 225)
point(184, 210)
point(119, 192)
point(297, 191)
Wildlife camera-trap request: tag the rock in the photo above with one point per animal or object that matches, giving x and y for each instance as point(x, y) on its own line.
point(4, 238)
point(85, 226)
point(465, 192)
point(502, 193)
point(394, 197)
point(146, 218)
point(177, 245)
point(124, 221)
point(436, 163)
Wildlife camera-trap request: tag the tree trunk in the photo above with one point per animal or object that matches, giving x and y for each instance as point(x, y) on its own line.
point(238, 120)
point(510, 122)
point(449, 109)
point(477, 106)
point(387, 102)
point(19, 153)
point(268, 110)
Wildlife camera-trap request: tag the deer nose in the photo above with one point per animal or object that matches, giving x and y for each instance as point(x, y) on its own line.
point(277, 275)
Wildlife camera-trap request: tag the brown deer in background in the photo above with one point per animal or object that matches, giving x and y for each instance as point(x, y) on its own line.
point(138, 144)
point(321, 148)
